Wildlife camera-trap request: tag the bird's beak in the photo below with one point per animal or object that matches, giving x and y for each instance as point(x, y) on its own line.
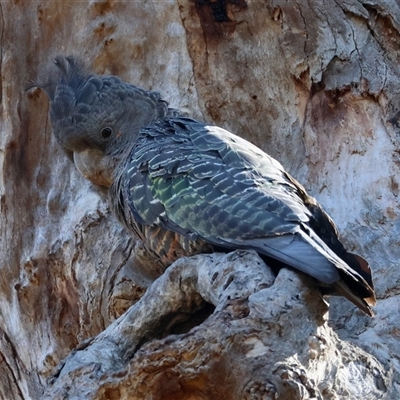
point(94, 167)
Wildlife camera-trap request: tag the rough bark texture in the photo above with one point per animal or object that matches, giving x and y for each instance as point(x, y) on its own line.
point(314, 84)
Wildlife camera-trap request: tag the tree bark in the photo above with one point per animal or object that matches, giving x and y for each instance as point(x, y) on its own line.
point(314, 84)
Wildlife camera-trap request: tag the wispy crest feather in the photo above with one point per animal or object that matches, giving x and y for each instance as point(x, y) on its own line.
point(68, 70)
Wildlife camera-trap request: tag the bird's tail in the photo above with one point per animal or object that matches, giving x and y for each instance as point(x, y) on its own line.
point(359, 292)
point(307, 252)
point(355, 283)
point(340, 288)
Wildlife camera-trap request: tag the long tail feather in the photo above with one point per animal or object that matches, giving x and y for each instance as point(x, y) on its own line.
point(363, 304)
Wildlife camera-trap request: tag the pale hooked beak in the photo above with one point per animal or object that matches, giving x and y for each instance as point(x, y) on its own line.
point(94, 166)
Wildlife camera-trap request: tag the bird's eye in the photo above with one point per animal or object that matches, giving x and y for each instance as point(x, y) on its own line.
point(106, 132)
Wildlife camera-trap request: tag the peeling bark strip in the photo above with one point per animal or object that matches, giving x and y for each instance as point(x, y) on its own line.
point(315, 84)
point(264, 338)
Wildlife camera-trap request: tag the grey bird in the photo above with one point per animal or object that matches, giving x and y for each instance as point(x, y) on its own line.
point(186, 187)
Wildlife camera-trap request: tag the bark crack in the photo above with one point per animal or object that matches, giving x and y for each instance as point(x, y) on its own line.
point(372, 32)
point(353, 36)
point(15, 379)
point(305, 28)
point(43, 152)
point(128, 248)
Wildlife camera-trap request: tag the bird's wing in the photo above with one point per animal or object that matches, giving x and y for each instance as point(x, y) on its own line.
point(208, 181)
point(203, 182)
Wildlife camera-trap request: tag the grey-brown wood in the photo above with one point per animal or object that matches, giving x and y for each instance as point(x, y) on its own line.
point(314, 84)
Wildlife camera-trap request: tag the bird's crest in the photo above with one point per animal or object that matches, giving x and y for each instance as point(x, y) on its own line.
point(68, 71)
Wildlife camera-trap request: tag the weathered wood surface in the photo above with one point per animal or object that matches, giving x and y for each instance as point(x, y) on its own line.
point(314, 84)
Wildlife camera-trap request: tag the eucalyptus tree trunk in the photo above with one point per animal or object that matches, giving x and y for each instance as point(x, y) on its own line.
point(86, 314)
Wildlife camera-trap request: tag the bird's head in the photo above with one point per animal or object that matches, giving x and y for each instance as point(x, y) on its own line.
point(96, 118)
